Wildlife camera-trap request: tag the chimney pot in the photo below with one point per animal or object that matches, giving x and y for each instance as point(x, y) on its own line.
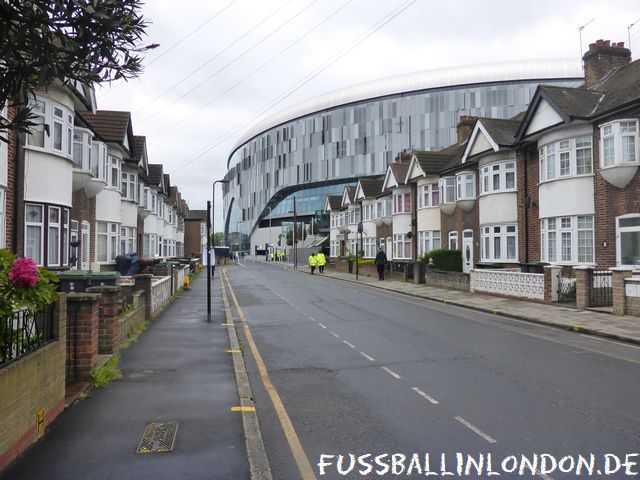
point(607, 43)
point(599, 42)
point(592, 46)
point(620, 44)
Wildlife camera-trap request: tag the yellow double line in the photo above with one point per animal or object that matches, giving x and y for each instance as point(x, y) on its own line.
point(302, 461)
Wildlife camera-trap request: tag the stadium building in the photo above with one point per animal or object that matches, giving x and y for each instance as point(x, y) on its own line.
point(315, 148)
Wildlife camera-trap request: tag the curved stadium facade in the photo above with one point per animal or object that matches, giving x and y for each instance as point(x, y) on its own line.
point(317, 147)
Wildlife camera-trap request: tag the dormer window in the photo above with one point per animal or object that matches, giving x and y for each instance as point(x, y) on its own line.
point(466, 186)
point(619, 145)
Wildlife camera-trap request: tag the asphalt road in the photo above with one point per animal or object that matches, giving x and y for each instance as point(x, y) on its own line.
point(361, 371)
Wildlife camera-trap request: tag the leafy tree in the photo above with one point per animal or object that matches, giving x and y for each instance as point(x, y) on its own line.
point(218, 239)
point(68, 41)
point(300, 235)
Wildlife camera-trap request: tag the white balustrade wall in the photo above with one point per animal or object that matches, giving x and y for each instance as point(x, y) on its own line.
point(509, 283)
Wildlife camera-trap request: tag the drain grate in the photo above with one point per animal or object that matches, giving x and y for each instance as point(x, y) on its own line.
point(158, 437)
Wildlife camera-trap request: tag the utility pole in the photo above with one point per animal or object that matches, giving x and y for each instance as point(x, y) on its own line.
point(208, 261)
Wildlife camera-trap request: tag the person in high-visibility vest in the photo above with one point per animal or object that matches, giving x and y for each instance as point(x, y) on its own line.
point(281, 254)
point(313, 261)
point(322, 261)
point(273, 256)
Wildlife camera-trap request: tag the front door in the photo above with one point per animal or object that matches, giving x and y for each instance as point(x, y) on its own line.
point(467, 251)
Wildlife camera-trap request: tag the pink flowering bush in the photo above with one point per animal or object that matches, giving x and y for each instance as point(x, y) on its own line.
point(24, 273)
point(23, 285)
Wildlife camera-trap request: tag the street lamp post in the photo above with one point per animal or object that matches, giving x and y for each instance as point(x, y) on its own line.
point(295, 235)
point(210, 229)
point(213, 214)
point(269, 249)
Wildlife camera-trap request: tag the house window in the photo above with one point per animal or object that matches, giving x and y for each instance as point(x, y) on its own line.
point(428, 195)
point(106, 241)
point(99, 160)
point(402, 203)
point(466, 183)
point(619, 143)
point(65, 236)
point(448, 189)
point(34, 232)
point(84, 244)
point(565, 158)
point(128, 240)
point(567, 240)
point(369, 246)
point(428, 241)
point(628, 237)
point(354, 216)
point(453, 240)
point(498, 177)
point(401, 246)
point(499, 243)
point(58, 119)
point(82, 149)
point(129, 186)
point(114, 171)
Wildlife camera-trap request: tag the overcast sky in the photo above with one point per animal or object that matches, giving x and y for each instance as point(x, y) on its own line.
point(222, 62)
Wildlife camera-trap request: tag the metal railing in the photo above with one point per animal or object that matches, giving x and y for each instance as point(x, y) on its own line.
point(24, 332)
point(600, 288)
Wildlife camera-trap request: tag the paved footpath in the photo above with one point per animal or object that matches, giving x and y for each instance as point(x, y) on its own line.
point(616, 327)
point(179, 371)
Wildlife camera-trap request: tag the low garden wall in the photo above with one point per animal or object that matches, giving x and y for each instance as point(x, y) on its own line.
point(441, 278)
point(160, 294)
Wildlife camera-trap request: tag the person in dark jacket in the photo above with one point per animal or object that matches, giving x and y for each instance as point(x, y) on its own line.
point(381, 262)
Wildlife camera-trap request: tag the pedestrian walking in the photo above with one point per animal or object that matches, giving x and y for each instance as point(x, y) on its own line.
point(322, 261)
point(381, 262)
point(313, 261)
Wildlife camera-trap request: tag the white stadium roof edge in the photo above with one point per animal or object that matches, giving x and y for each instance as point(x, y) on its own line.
point(429, 79)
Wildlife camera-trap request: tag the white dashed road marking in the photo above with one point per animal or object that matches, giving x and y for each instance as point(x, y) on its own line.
point(334, 334)
point(321, 325)
point(424, 395)
point(367, 357)
point(475, 429)
point(350, 344)
point(392, 373)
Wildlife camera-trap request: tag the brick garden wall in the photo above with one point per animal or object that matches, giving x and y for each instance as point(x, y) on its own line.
point(33, 383)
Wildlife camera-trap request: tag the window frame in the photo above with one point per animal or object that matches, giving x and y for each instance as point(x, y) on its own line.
point(447, 187)
point(616, 136)
point(453, 240)
point(428, 237)
point(463, 181)
point(619, 234)
point(554, 232)
point(567, 146)
point(400, 241)
point(426, 195)
point(498, 234)
point(502, 170)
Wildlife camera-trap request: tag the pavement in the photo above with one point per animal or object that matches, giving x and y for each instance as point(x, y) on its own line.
point(601, 324)
point(180, 371)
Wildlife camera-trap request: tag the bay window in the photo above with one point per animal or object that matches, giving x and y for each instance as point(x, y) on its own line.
point(499, 243)
point(567, 240)
point(448, 189)
point(401, 246)
point(428, 240)
point(82, 149)
point(369, 247)
point(58, 120)
point(99, 167)
point(619, 143)
point(566, 158)
point(354, 215)
point(498, 177)
point(129, 186)
point(106, 241)
point(402, 203)
point(128, 242)
point(466, 186)
point(428, 195)
point(34, 232)
point(114, 171)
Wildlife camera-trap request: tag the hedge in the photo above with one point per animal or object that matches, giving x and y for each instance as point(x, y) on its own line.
point(448, 260)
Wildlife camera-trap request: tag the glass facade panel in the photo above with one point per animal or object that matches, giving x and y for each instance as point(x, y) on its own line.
point(359, 139)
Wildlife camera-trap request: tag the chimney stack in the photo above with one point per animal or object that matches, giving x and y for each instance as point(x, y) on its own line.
point(465, 127)
point(602, 57)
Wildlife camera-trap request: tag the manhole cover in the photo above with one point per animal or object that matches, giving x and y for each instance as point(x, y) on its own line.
point(158, 437)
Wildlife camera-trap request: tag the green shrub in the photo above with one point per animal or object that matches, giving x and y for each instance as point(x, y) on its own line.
point(448, 260)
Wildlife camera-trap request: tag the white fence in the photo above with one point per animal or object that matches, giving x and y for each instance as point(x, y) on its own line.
point(509, 283)
point(160, 293)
